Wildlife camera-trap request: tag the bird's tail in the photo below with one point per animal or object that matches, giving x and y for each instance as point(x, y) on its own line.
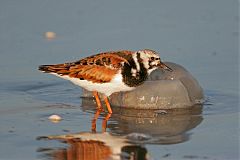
point(55, 68)
point(46, 68)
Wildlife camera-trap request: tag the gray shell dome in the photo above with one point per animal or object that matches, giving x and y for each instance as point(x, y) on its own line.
point(163, 90)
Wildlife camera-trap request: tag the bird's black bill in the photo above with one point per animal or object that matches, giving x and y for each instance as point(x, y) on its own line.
point(165, 67)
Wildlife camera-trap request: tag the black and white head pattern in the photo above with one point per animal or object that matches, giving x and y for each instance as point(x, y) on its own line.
point(149, 58)
point(141, 64)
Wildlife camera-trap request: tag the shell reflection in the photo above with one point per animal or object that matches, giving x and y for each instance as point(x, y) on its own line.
point(160, 126)
point(163, 126)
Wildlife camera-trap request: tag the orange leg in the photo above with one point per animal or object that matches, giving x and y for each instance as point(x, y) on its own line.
point(108, 105)
point(99, 105)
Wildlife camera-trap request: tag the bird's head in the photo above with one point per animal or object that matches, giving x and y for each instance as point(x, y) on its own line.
point(151, 60)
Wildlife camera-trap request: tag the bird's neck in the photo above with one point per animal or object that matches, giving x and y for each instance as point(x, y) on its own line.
point(134, 72)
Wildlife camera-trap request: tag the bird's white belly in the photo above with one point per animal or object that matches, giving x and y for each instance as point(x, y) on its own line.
point(115, 85)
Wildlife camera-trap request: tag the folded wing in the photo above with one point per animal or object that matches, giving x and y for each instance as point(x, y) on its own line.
point(99, 68)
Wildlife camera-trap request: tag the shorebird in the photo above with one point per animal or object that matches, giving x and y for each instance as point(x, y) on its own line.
point(109, 72)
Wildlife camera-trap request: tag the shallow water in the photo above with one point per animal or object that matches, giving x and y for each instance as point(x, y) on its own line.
point(201, 36)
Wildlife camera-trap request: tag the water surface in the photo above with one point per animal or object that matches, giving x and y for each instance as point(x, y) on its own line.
point(202, 36)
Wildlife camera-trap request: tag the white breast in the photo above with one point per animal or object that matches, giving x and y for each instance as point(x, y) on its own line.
point(115, 85)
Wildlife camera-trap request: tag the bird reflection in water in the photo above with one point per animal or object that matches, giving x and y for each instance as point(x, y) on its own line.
point(126, 134)
point(104, 122)
point(94, 145)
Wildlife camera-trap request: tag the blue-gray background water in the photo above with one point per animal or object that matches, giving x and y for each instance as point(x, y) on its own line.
point(202, 36)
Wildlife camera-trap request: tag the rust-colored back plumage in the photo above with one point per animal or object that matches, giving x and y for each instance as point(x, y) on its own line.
point(99, 68)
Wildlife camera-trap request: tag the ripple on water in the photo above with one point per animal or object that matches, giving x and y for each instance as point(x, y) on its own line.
point(219, 103)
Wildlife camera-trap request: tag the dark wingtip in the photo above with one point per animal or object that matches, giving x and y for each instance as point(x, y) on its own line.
point(43, 68)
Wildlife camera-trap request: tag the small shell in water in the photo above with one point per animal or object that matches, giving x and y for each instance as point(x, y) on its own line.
point(55, 118)
point(50, 35)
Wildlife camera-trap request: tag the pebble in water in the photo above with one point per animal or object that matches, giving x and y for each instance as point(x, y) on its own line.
point(55, 118)
point(50, 35)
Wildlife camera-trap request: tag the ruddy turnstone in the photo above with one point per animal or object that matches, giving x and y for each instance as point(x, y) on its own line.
point(109, 72)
